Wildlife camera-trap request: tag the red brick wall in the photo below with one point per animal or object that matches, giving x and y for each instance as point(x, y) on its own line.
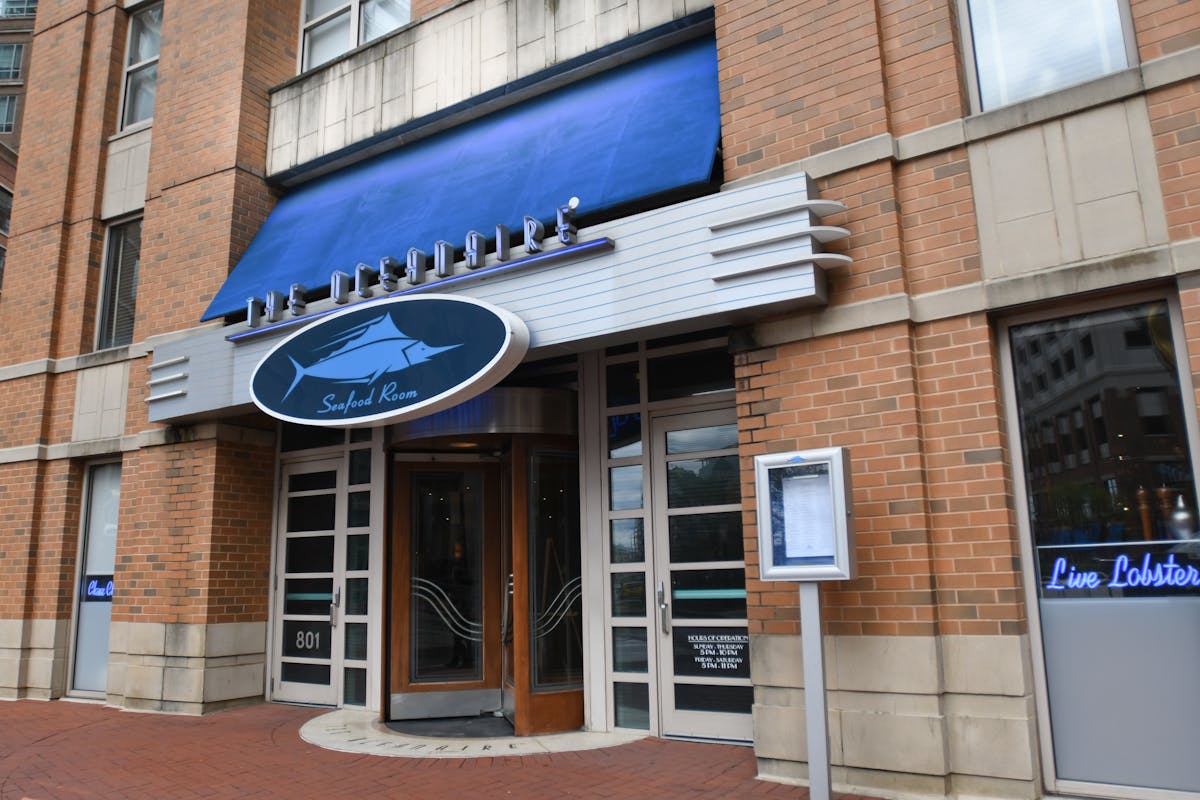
point(1175, 123)
point(798, 77)
point(195, 536)
point(1164, 26)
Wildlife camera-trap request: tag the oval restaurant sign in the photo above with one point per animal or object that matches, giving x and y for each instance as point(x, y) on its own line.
point(389, 360)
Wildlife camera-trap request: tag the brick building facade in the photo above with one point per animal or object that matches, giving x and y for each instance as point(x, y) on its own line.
point(959, 238)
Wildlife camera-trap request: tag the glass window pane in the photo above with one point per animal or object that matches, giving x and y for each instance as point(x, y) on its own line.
point(311, 481)
point(306, 638)
point(358, 509)
point(631, 702)
point(1106, 473)
point(360, 467)
point(319, 8)
point(356, 596)
point(307, 596)
point(628, 594)
point(1027, 48)
point(690, 374)
point(625, 487)
point(145, 35)
point(140, 88)
point(356, 641)
point(706, 537)
point(292, 672)
point(360, 435)
point(6, 199)
point(629, 650)
point(624, 435)
point(327, 41)
point(306, 437)
point(623, 380)
point(354, 686)
point(309, 554)
point(556, 593)
point(709, 697)
point(628, 541)
point(118, 303)
point(11, 56)
point(709, 593)
point(703, 482)
point(358, 552)
point(311, 513)
point(382, 16)
point(695, 440)
point(8, 113)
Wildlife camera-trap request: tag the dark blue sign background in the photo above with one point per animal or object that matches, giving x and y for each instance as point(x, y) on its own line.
point(378, 360)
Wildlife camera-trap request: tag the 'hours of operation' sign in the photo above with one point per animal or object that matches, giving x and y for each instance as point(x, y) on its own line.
point(712, 652)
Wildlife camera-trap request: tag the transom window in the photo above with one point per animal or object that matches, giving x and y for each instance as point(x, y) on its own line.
point(333, 27)
point(11, 56)
point(141, 65)
point(119, 297)
point(18, 8)
point(1027, 48)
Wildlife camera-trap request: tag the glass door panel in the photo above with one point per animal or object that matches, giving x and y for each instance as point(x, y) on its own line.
point(308, 641)
point(700, 580)
point(447, 577)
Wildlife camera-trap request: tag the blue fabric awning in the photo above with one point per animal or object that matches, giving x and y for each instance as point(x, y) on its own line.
point(638, 130)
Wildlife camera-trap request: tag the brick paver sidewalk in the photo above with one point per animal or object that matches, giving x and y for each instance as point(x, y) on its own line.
point(66, 751)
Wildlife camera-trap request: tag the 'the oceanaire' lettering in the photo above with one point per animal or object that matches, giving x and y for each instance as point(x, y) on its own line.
point(1150, 574)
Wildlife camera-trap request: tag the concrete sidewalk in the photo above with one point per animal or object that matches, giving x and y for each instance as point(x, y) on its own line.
point(67, 751)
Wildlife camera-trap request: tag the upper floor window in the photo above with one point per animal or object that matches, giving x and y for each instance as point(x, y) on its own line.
point(11, 56)
point(18, 8)
point(118, 297)
point(8, 113)
point(5, 209)
point(141, 65)
point(1027, 48)
point(332, 27)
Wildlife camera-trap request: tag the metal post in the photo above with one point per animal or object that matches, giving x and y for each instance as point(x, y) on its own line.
point(816, 723)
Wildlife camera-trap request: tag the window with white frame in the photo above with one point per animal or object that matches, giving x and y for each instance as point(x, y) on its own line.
point(1027, 48)
point(11, 55)
point(18, 8)
point(141, 65)
point(8, 113)
point(333, 27)
point(118, 297)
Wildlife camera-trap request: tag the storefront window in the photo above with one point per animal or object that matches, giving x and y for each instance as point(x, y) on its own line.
point(1105, 446)
point(1111, 508)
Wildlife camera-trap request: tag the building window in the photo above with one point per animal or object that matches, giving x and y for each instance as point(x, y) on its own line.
point(8, 113)
point(18, 8)
point(5, 209)
point(3, 258)
point(141, 65)
point(11, 56)
point(119, 298)
point(1027, 48)
point(332, 27)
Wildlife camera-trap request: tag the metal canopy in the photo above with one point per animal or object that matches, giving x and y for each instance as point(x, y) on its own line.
point(641, 129)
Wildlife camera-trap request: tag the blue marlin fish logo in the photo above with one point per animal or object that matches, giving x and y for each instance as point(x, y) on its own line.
point(366, 352)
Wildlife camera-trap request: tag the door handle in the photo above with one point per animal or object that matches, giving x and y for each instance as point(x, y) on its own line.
point(664, 613)
point(333, 607)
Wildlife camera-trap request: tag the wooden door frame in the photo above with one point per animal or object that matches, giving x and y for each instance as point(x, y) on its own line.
point(546, 711)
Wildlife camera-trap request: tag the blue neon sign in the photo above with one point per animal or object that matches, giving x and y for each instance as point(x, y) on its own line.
point(1122, 570)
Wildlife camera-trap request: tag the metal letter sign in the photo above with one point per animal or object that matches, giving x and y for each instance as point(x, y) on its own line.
point(389, 361)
